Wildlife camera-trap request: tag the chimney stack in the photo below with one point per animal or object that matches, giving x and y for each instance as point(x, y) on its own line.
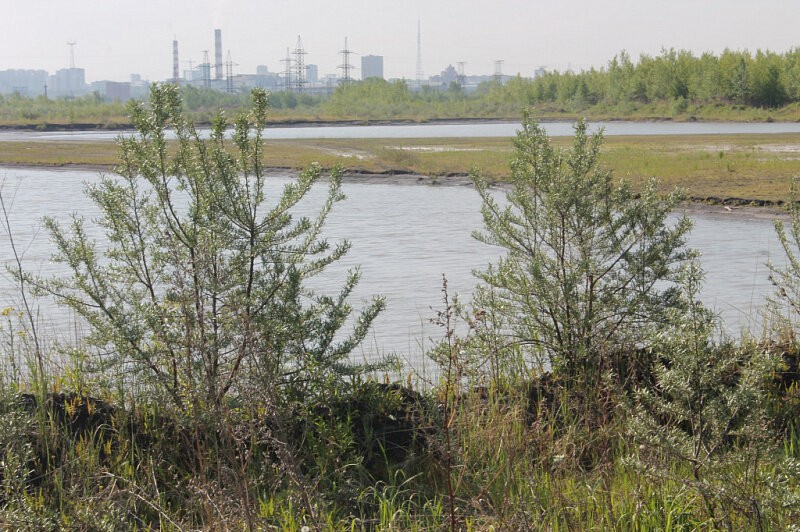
point(176, 76)
point(217, 54)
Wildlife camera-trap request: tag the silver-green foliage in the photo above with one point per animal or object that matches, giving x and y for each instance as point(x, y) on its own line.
point(786, 302)
point(585, 257)
point(703, 419)
point(201, 289)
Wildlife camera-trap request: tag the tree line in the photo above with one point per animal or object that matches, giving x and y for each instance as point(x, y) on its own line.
point(675, 82)
point(763, 79)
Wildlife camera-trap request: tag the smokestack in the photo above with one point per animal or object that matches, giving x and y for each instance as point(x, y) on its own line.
point(217, 54)
point(175, 63)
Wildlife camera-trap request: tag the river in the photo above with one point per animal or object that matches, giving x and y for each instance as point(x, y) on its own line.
point(404, 238)
point(470, 129)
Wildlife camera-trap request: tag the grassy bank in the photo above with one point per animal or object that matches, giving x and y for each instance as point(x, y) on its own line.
point(757, 167)
point(519, 453)
point(114, 116)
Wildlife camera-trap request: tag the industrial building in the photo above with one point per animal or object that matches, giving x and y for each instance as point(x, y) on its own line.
point(372, 66)
point(112, 91)
point(214, 73)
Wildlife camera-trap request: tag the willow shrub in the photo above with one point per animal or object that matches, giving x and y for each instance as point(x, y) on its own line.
point(704, 421)
point(199, 292)
point(588, 261)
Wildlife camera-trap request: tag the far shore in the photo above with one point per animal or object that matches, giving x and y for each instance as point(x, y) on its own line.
point(300, 122)
point(290, 123)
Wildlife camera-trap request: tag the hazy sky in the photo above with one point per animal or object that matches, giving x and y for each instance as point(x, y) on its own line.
point(115, 38)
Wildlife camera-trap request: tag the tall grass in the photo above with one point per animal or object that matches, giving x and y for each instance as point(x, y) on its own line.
point(509, 465)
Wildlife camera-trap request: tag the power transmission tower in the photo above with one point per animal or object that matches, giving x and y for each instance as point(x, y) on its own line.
point(462, 79)
point(71, 45)
point(498, 71)
point(346, 67)
point(205, 69)
point(299, 66)
point(229, 64)
point(287, 71)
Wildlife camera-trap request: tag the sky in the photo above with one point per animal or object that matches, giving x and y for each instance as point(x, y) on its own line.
point(115, 38)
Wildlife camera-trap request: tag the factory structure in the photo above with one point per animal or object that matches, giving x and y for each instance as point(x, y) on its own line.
point(295, 74)
point(218, 72)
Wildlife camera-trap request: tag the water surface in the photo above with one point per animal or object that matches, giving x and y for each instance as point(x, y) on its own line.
point(404, 238)
point(472, 130)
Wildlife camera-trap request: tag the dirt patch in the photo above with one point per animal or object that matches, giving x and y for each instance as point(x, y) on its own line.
point(356, 154)
point(432, 149)
point(780, 148)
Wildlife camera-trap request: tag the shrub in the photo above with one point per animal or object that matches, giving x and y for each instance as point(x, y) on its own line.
point(706, 415)
point(586, 259)
point(201, 290)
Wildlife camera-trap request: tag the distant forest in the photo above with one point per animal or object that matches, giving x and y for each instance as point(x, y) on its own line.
point(735, 85)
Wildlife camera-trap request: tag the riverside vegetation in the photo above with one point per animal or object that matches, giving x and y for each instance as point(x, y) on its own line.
point(587, 388)
point(741, 168)
point(734, 85)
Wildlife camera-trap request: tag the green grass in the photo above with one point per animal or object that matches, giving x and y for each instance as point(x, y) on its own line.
point(750, 166)
point(151, 466)
point(60, 114)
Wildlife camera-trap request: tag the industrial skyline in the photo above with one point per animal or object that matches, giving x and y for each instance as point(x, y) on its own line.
point(297, 75)
point(116, 39)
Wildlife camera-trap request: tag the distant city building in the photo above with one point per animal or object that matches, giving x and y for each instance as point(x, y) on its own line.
point(68, 83)
point(262, 79)
point(330, 81)
point(539, 72)
point(372, 66)
point(448, 76)
point(113, 91)
point(23, 82)
point(140, 88)
point(312, 74)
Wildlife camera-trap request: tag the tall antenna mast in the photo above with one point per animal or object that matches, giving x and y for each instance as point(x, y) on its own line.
point(299, 66)
point(346, 67)
point(420, 73)
point(71, 45)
